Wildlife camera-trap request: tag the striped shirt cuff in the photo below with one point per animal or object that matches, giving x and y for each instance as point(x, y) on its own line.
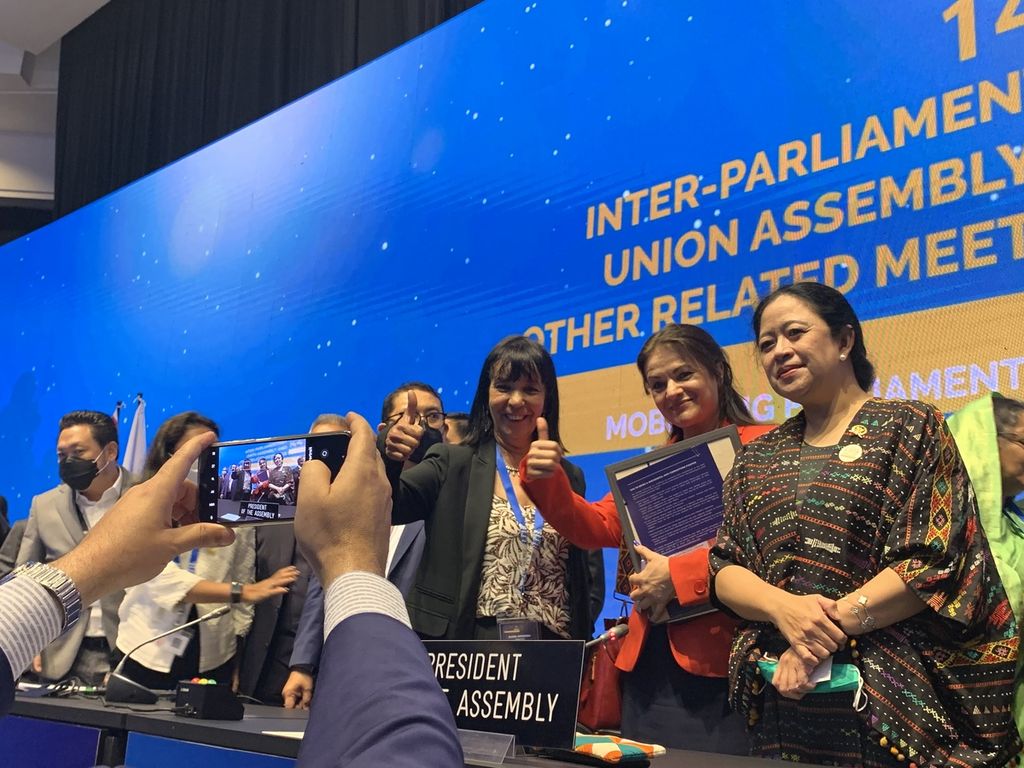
point(30, 620)
point(362, 592)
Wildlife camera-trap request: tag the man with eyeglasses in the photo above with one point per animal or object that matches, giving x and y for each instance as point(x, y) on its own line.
point(989, 434)
point(420, 404)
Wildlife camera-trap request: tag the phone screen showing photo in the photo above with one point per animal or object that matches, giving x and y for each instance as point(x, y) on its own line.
point(257, 481)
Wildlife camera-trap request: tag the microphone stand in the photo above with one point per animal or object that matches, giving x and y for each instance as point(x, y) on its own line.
point(619, 630)
point(121, 689)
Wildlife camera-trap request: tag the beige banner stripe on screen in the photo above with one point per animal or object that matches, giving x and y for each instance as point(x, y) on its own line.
point(947, 356)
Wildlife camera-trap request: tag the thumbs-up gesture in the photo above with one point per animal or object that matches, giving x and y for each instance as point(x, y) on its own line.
point(545, 455)
point(406, 433)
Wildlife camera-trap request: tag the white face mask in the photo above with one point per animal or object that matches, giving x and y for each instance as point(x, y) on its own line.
point(193, 472)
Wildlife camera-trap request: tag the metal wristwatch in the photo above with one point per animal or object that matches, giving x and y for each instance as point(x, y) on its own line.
point(58, 584)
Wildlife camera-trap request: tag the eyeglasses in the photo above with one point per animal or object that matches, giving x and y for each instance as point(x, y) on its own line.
point(433, 419)
point(1011, 438)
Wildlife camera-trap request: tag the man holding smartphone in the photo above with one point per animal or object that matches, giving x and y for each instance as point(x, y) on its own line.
point(417, 402)
point(343, 530)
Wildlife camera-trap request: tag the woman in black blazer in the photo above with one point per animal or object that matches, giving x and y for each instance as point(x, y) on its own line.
point(487, 558)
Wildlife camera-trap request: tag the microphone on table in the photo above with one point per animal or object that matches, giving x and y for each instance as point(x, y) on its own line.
point(619, 630)
point(123, 690)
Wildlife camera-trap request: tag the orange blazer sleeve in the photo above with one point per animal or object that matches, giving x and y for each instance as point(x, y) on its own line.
point(689, 572)
point(586, 525)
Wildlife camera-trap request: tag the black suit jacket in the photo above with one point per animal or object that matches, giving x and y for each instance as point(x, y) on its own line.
point(239, 483)
point(452, 490)
point(270, 632)
point(9, 549)
point(309, 637)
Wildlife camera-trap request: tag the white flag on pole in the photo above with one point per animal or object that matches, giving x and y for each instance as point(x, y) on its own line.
point(135, 452)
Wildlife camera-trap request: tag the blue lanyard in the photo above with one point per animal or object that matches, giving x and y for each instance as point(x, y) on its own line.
point(192, 558)
point(524, 532)
point(513, 502)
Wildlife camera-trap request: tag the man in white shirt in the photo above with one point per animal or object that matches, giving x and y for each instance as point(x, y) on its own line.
point(91, 483)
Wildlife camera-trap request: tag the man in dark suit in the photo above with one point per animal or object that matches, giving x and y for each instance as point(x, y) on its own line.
point(9, 549)
point(5, 524)
point(405, 546)
point(386, 710)
point(241, 487)
point(307, 649)
point(58, 519)
point(268, 646)
point(344, 531)
point(276, 629)
point(224, 489)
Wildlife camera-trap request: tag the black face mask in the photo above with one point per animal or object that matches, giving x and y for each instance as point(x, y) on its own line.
point(431, 437)
point(78, 473)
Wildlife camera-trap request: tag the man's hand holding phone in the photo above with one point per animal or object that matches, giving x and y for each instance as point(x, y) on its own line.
point(344, 525)
point(139, 535)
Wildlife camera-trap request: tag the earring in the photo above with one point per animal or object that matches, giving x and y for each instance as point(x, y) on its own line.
point(842, 357)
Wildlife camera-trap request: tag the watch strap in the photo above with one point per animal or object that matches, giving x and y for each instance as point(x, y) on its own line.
point(58, 584)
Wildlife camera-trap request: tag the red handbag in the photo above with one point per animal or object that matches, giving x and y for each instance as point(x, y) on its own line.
point(600, 690)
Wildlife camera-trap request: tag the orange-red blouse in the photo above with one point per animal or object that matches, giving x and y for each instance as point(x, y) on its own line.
point(700, 645)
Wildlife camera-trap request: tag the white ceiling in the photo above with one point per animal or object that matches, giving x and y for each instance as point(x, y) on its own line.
point(30, 33)
point(35, 25)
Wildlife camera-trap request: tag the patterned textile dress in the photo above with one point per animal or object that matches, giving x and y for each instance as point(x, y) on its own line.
point(519, 581)
point(895, 494)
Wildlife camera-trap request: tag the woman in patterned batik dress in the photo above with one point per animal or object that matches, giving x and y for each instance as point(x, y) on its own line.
point(858, 514)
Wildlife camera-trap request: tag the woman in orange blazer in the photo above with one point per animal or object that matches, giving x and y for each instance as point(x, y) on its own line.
point(675, 689)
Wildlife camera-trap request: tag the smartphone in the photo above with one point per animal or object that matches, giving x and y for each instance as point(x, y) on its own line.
point(257, 481)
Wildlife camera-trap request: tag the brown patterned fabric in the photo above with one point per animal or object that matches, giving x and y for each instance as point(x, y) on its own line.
point(624, 571)
point(939, 685)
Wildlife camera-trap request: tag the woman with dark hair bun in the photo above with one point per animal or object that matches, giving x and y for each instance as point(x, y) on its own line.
point(490, 553)
point(876, 631)
point(674, 692)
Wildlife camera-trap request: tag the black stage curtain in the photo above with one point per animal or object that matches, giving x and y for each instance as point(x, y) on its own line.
point(144, 82)
point(17, 221)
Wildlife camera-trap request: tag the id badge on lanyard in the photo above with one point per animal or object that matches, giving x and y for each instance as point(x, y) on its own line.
point(178, 642)
point(532, 540)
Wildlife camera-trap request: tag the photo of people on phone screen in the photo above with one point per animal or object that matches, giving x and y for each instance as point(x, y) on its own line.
point(259, 480)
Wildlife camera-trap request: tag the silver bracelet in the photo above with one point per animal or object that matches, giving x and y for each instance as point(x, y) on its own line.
point(860, 610)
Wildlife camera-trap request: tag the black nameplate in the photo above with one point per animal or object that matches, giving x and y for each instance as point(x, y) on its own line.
point(264, 510)
point(529, 689)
